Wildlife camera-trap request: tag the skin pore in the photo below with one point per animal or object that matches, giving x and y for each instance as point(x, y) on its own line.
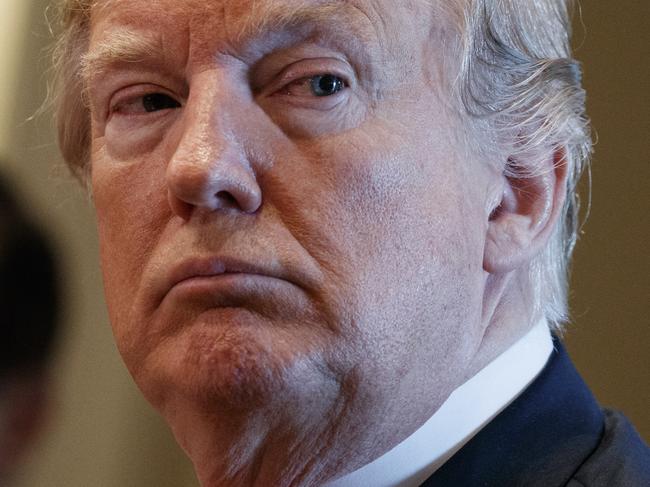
point(296, 243)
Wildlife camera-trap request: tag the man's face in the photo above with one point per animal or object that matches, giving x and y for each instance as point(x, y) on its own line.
point(289, 219)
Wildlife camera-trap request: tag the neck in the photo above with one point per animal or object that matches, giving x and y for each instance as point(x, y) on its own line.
point(507, 316)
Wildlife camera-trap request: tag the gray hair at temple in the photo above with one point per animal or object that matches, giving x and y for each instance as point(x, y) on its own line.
point(516, 78)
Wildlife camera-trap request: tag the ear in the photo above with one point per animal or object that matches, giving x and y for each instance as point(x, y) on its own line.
point(521, 225)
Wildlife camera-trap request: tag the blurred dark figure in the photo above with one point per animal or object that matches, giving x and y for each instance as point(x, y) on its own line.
point(29, 309)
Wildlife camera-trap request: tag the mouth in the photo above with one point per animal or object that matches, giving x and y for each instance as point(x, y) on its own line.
point(215, 277)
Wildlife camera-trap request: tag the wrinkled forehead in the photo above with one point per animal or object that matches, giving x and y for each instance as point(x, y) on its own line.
point(238, 11)
point(238, 21)
point(398, 37)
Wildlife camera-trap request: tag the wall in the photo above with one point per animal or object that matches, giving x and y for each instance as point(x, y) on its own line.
point(14, 18)
point(610, 337)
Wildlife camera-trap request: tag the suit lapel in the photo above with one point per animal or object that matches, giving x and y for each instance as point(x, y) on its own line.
point(540, 439)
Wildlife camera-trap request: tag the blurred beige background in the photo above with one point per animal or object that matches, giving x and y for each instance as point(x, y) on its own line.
point(101, 432)
point(610, 337)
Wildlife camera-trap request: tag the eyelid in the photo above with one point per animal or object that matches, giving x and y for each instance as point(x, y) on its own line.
point(116, 79)
point(308, 68)
point(134, 92)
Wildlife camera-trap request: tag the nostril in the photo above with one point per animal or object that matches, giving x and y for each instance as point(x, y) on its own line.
point(226, 199)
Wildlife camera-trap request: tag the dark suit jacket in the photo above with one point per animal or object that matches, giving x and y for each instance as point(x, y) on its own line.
point(554, 434)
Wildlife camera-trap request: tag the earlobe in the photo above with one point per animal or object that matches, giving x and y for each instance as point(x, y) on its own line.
point(520, 226)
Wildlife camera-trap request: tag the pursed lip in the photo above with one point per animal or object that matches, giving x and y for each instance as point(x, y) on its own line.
point(220, 265)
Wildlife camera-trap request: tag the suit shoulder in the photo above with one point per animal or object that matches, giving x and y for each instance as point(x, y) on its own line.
point(621, 458)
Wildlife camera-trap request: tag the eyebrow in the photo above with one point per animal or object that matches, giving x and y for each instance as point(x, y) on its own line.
point(126, 45)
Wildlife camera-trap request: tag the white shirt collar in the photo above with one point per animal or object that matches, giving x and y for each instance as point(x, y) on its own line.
point(467, 410)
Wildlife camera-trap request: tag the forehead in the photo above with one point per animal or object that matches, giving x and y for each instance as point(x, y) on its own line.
point(238, 22)
point(234, 13)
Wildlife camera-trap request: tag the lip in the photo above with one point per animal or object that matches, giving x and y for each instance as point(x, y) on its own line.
point(220, 268)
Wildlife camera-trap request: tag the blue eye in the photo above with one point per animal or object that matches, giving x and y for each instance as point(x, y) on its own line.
point(158, 101)
point(326, 85)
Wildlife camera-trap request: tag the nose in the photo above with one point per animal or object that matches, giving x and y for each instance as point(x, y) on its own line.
point(210, 169)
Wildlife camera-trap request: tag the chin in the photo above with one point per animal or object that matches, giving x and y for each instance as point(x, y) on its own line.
point(227, 359)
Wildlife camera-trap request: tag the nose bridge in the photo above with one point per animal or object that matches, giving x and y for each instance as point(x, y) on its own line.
point(207, 131)
point(209, 168)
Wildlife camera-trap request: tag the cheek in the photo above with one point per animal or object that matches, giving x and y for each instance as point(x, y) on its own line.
point(404, 240)
point(131, 209)
point(384, 197)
